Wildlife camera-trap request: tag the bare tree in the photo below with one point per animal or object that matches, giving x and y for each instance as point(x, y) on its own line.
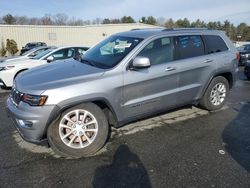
point(60, 19)
point(22, 20)
point(46, 20)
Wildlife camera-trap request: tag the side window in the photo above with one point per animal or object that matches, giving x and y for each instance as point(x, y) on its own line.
point(214, 44)
point(59, 54)
point(159, 51)
point(70, 53)
point(81, 51)
point(63, 54)
point(189, 46)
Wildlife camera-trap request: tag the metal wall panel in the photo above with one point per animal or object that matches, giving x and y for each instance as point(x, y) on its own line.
point(63, 35)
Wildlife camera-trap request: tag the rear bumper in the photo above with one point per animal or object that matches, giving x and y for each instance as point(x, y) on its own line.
point(31, 122)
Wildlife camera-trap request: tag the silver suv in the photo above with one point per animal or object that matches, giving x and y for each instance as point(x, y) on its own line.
point(128, 76)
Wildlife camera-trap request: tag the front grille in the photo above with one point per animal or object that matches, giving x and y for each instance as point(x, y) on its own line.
point(16, 96)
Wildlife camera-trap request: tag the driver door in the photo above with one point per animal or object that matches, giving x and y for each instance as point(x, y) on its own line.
point(149, 90)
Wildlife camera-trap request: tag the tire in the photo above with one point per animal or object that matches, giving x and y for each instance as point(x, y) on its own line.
point(208, 101)
point(77, 148)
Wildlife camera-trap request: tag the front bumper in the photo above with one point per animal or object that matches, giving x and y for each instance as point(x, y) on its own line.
point(31, 122)
point(2, 84)
point(6, 78)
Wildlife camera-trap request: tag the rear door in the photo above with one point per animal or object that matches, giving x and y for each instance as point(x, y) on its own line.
point(195, 67)
point(151, 89)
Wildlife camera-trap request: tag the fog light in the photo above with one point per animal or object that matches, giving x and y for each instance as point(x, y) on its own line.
point(24, 124)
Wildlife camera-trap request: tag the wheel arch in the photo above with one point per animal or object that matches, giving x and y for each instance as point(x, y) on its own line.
point(18, 72)
point(100, 102)
point(227, 75)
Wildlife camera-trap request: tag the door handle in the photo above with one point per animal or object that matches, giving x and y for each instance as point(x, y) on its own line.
point(170, 69)
point(208, 61)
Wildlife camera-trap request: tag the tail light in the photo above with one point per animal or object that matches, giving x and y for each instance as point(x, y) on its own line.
point(238, 56)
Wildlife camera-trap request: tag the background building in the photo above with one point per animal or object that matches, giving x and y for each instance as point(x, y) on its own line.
point(87, 35)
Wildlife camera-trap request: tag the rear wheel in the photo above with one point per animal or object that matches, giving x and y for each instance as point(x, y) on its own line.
point(216, 94)
point(80, 132)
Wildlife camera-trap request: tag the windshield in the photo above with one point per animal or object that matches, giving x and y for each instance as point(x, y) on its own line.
point(28, 52)
point(110, 51)
point(30, 45)
point(40, 55)
point(247, 47)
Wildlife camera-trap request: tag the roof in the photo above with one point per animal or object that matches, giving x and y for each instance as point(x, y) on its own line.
point(148, 32)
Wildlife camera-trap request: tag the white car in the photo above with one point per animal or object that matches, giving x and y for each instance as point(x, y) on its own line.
point(29, 54)
point(10, 69)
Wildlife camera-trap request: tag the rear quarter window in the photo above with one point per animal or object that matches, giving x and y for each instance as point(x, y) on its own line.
point(189, 46)
point(214, 44)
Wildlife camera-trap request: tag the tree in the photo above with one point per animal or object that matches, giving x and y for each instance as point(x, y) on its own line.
point(182, 23)
point(21, 20)
point(97, 21)
point(143, 19)
point(170, 23)
point(160, 21)
point(106, 21)
point(60, 19)
point(9, 19)
point(246, 34)
point(198, 24)
point(3, 50)
point(127, 19)
point(226, 27)
point(46, 20)
point(115, 21)
point(11, 46)
point(241, 28)
point(151, 20)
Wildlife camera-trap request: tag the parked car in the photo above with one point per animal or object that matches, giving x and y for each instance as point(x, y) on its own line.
point(128, 76)
point(9, 70)
point(247, 70)
point(31, 45)
point(29, 54)
point(244, 54)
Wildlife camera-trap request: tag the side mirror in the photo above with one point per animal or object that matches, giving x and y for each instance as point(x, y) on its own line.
point(50, 59)
point(141, 62)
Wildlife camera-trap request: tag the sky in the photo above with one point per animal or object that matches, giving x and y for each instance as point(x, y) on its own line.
point(236, 11)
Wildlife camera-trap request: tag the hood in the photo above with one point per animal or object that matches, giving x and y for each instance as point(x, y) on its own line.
point(13, 59)
point(55, 75)
point(244, 51)
point(17, 61)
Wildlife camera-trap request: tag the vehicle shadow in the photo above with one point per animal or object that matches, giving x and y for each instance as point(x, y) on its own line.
point(237, 137)
point(126, 170)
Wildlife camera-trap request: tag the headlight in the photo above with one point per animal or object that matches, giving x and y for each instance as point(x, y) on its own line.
point(7, 67)
point(34, 100)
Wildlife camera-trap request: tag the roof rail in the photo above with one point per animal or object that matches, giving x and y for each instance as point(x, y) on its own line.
point(146, 28)
point(181, 29)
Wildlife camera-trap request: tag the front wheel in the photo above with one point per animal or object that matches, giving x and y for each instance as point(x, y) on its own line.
point(80, 132)
point(216, 94)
